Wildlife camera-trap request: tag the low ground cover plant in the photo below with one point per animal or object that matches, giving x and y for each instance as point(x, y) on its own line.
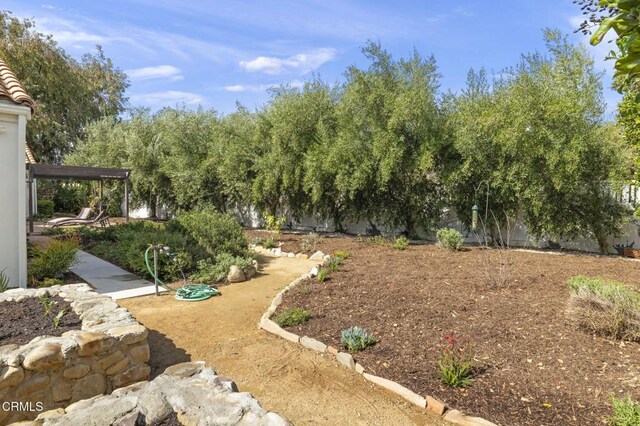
point(356, 339)
point(292, 317)
point(341, 254)
point(52, 260)
point(626, 412)
point(400, 243)
point(218, 270)
point(449, 239)
point(455, 363)
point(606, 308)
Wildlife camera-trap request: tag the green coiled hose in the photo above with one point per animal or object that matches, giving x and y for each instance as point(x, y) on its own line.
point(188, 292)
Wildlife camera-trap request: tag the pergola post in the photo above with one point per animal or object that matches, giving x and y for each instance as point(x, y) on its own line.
point(30, 200)
point(101, 193)
point(126, 198)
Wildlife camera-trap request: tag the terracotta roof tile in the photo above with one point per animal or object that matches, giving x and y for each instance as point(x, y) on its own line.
point(11, 89)
point(29, 157)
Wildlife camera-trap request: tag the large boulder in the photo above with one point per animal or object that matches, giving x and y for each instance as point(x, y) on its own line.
point(235, 275)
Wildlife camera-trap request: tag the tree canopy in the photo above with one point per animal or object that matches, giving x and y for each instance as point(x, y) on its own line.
point(68, 94)
point(388, 147)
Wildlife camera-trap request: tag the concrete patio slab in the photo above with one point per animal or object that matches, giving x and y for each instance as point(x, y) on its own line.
point(110, 279)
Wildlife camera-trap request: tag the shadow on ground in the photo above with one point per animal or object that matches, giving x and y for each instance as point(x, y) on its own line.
point(164, 353)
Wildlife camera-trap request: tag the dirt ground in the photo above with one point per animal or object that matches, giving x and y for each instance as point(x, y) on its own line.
point(306, 387)
point(533, 366)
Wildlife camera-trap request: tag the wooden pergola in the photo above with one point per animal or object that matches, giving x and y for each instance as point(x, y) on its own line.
point(100, 174)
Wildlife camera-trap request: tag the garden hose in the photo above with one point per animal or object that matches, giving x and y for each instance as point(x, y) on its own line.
point(189, 292)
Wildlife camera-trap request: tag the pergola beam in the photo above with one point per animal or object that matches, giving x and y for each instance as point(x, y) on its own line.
point(51, 171)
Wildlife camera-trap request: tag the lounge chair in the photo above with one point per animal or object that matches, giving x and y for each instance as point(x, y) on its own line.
point(102, 220)
point(83, 215)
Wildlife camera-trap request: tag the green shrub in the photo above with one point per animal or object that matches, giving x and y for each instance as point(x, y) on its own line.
point(45, 208)
point(214, 232)
point(356, 339)
point(133, 239)
point(292, 317)
point(341, 254)
point(456, 361)
point(272, 223)
point(68, 198)
point(218, 271)
point(52, 260)
point(626, 412)
point(606, 308)
point(378, 240)
point(400, 243)
point(322, 275)
point(256, 240)
point(449, 238)
point(309, 242)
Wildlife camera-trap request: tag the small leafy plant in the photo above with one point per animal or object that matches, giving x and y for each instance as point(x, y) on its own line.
point(4, 281)
point(356, 339)
point(273, 223)
point(449, 239)
point(626, 412)
point(292, 317)
point(256, 240)
point(269, 242)
point(309, 242)
point(322, 275)
point(341, 254)
point(400, 243)
point(456, 361)
point(57, 318)
point(47, 304)
point(333, 263)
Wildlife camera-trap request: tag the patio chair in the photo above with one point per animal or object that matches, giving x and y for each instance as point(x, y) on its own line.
point(83, 215)
point(101, 220)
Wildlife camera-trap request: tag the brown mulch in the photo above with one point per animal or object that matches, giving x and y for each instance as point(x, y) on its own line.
point(533, 366)
point(20, 322)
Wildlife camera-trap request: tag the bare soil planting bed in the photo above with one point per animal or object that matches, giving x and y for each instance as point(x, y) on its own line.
point(22, 321)
point(533, 366)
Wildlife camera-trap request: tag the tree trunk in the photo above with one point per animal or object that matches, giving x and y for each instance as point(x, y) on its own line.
point(603, 244)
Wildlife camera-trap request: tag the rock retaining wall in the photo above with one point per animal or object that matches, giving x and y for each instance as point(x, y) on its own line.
point(109, 352)
point(346, 359)
point(194, 393)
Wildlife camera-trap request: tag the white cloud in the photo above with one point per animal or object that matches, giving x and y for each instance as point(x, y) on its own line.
point(261, 87)
point(302, 62)
point(161, 71)
point(462, 11)
point(168, 98)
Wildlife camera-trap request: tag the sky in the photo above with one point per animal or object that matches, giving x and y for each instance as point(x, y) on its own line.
point(217, 53)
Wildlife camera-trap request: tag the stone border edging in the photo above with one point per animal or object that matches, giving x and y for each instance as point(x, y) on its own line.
point(345, 358)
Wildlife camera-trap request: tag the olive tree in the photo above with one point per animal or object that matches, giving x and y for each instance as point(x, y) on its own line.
point(537, 137)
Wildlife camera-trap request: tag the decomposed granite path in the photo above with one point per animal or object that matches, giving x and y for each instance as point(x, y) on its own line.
point(306, 387)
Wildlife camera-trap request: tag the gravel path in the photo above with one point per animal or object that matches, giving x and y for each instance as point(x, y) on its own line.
point(303, 386)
